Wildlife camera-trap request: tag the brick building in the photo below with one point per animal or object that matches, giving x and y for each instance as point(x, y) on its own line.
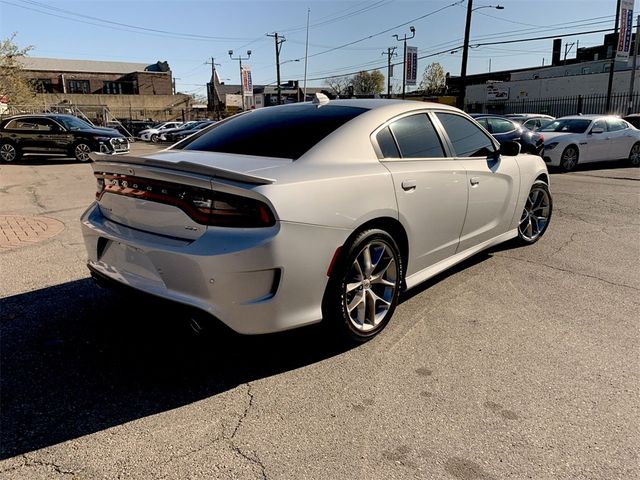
point(53, 75)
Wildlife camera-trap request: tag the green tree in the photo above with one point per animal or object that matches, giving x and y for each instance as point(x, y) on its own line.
point(365, 83)
point(434, 81)
point(13, 83)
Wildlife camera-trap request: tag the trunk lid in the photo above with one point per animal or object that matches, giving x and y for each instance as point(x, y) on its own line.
point(149, 193)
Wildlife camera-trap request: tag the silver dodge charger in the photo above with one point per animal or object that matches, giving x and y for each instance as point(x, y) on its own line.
point(324, 210)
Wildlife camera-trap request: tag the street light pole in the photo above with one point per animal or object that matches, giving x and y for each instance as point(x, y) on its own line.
point(240, 58)
point(404, 56)
point(613, 59)
point(465, 49)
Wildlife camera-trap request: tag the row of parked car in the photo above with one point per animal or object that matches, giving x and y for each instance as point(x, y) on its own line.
point(171, 132)
point(564, 142)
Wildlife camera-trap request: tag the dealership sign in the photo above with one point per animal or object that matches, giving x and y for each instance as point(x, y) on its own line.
point(247, 82)
point(411, 63)
point(497, 92)
point(625, 27)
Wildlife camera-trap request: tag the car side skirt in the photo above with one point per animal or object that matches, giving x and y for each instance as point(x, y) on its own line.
point(419, 277)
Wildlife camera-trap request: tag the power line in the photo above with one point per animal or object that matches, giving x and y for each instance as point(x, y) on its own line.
point(114, 25)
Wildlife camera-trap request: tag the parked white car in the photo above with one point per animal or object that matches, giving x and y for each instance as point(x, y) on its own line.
point(589, 138)
point(284, 216)
point(153, 134)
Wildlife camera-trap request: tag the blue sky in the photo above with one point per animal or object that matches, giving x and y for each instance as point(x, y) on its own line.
point(188, 33)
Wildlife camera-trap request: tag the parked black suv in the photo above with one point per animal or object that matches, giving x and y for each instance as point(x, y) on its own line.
point(57, 134)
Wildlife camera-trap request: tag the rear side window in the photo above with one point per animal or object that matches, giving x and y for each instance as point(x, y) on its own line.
point(500, 125)
point(387, 144)
point(287, 132)
point(467, 139)
point(616, 124)
point(416, 137)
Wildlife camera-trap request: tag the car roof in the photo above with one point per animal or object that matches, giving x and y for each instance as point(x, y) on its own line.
point(585, 117)
point(43, 115)
point(528, 115)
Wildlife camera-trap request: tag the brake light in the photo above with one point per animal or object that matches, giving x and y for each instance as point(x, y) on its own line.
point(207, 207)
point(541, 137)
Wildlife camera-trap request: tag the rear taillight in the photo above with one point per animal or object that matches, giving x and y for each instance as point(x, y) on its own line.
point(207, 207)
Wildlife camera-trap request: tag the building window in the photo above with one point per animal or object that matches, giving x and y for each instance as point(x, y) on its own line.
point(78, 86)
point(113, 88)
point(42, 85)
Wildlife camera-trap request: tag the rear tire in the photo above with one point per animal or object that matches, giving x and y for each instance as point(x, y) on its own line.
point(536, 214)
point(569, 158)
point(364, 286)
point(9, 152)
point(634, 155)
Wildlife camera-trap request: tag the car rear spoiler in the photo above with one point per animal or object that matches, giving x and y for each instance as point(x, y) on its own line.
point(181, 166)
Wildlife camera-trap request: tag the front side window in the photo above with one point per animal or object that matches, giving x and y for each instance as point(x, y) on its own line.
point(278, 132)
point(467, 139)
point(416, 137)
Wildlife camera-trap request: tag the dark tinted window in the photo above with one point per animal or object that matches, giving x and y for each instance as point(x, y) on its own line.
point(416, 137)
point(387, 144)
point(467, 139)
point(500, 125)
point(484, 122)
point(282, 132)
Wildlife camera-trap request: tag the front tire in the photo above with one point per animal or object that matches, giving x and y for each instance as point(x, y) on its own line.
point(634, 155)
point(9, 152)
point(154, 138)
point(364, 286)
point(569, 158)
point(535, 217)
point(82, 152)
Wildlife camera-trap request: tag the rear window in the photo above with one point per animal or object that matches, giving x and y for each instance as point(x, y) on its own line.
point(275, 132)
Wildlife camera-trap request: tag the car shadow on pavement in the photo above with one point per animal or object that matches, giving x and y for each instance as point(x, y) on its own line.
point(38, 160)
point(76, 359)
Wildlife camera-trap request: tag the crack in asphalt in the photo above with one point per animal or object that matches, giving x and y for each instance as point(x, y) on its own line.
point(35, 199)
point(566, 270)
point(251, 455)
point(255, 459)
point(34, 462)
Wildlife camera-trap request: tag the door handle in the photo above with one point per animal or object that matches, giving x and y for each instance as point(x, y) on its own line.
point(474, 181)
point(408, 185)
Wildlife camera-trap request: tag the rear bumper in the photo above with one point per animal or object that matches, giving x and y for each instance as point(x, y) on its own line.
point(253, 281)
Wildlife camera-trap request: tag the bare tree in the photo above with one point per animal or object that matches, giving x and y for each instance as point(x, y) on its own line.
point(434, 81)
point(14, 86)
point(339, 85)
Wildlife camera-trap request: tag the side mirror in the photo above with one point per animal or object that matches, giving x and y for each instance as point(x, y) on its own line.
point(597, 130)
point(510, 148)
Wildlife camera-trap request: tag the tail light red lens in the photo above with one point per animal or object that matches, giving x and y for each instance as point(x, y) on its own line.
point(207, 207)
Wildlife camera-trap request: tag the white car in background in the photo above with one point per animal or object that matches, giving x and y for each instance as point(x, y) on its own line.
point(589, 138)
point(153, 134)
point(284, 216)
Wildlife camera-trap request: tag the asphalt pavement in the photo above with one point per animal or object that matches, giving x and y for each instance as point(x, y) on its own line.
point(521, 363)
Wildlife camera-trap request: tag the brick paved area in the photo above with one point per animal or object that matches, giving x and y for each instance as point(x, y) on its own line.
point(19, 230)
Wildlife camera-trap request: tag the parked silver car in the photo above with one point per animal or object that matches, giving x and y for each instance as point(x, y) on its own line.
point(284, 216)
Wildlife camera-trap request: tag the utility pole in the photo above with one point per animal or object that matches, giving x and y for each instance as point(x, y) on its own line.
point(567, 48)
point(613, 58)
point(465, 49)
point(391, 52)
point(633, 68)
point(404, 55)
point(240, 58)
point(212, 91)
point(279, 41)
point(306, 57)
